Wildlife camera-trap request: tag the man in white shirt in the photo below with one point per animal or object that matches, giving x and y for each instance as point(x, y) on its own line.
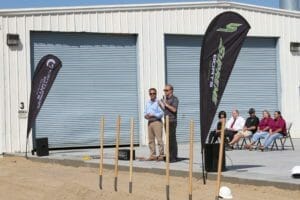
point(234, 124)
point(153, 113)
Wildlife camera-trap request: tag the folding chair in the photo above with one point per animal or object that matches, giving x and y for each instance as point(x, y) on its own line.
point(244, 142)
point(284, 138)
point(259, 142)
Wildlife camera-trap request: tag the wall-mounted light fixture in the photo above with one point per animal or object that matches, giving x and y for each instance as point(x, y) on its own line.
point(13, 39)
point(295, 47)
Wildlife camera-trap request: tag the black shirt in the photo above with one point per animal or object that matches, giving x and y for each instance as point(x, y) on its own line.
point(252, 121)
point(219, 125)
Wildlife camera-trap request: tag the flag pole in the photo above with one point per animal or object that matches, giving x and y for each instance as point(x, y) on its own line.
point(167, 159)
point(26, 148)
point(220, 161)
point(203, 165)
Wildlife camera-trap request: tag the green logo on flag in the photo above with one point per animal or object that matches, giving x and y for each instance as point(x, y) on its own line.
point(217, 71)
point(231, 27)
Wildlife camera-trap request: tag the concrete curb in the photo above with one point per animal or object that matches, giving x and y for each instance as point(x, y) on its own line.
point(178, 173)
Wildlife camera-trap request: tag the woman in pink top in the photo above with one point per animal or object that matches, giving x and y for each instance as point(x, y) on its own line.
point(263, 129)
point(277, 130)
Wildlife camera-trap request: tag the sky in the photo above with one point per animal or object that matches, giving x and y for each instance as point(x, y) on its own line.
point(8, 4)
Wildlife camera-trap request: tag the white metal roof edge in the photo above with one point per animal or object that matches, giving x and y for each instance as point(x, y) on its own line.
point(155, 6)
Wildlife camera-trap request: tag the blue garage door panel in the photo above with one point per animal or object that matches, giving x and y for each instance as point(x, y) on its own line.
point(98, 78)
point(253, 82)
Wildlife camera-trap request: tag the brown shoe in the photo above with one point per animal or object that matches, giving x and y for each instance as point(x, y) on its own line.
point(261, 147)
point(160, 158)
point(151, 158)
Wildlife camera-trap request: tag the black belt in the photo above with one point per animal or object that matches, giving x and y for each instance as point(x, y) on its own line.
point(158, 120)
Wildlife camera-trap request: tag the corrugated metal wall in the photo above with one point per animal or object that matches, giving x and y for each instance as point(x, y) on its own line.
point(150, 22)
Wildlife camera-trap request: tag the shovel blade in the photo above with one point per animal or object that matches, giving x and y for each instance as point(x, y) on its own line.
point(168, 192)
point(130, 187)
point(100, 182)
point(116, 182)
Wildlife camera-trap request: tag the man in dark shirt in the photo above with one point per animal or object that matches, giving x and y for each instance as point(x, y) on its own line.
point(249, 128)
point(169, 105)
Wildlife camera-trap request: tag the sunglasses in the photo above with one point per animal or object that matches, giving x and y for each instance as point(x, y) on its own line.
point(166, 90)
point(152, 93)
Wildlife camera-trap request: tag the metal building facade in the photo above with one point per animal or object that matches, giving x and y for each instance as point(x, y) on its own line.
point(150, 23)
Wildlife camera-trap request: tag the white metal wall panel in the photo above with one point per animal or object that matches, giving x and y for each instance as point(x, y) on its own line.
point(98, 78)
point(253, 82)
point(2, 94)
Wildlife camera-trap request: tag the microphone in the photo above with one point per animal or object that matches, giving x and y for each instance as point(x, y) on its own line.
point(162, 102)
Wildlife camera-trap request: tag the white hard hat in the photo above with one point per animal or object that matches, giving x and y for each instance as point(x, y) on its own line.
point(225, 193)
point(296, 172)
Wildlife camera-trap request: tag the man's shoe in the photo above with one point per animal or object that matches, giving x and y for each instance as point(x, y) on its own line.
point(160, 158)
point(262, 148)
point(172, 160)
point(152, 158)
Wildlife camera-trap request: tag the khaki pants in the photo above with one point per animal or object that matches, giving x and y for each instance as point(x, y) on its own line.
point(245, 133)
point(155, 131)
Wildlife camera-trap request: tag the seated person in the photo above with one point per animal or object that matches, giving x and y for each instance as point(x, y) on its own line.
point(234, 124)
point(277, 130)
point(263, 129)
point(213, 136)
point(249, 128)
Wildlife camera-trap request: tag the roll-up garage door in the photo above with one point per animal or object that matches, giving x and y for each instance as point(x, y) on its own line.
point(98, 78)
point(253, 82)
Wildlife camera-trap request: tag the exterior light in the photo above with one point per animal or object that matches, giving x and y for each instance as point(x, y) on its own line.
point(13, 39)
point(295, 47)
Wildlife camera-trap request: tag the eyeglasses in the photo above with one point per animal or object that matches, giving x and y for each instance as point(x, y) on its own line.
point(166, 90)
point(152, 93)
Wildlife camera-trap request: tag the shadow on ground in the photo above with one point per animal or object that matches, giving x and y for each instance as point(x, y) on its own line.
point(242, 167)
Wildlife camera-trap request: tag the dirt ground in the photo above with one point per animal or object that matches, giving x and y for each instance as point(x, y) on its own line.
point(21, 179)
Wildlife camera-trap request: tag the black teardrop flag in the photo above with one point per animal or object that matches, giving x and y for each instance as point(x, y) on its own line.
point(221, 45)
point(43, 78)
